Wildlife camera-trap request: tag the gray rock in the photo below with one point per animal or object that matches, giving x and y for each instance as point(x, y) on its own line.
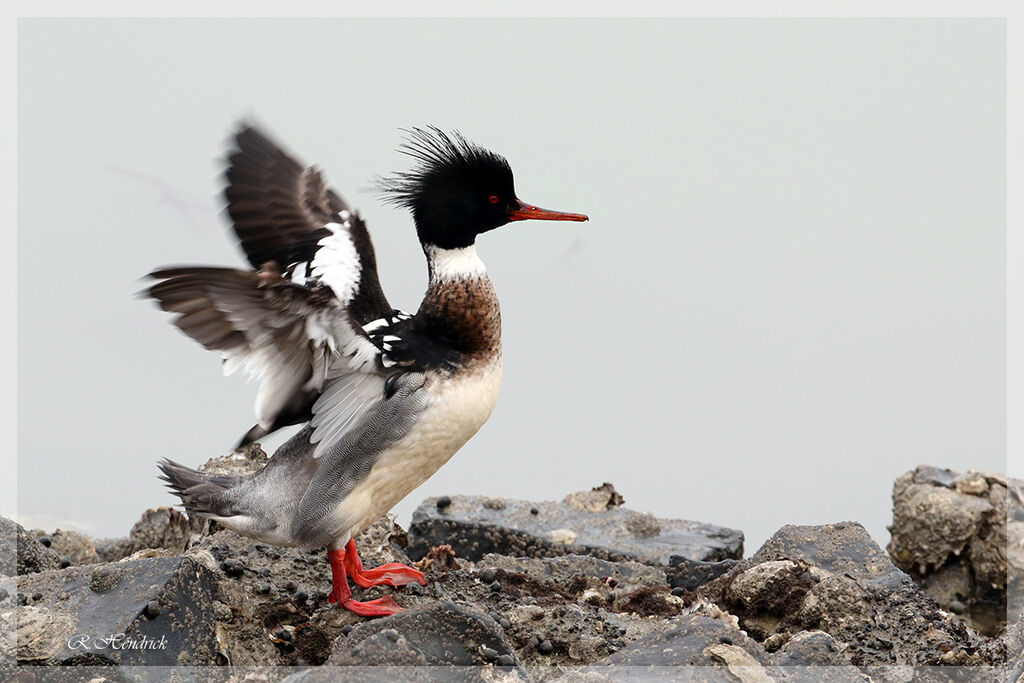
point(625, 576)
point(96, 614)
point(950, 533)
point(713, 646)
point(245, 460)
point(836, 579)
point(934, 476)
point(476, 525)
point(160, 527)
point(841, 548)
point(113, 549)
point(272, 606)
point(810, 648)
point(441, 634)
point(769, 595)
point(689, 574)
point(21, 553)
point(1010, 649)
point(616, 586)
point(73, 546)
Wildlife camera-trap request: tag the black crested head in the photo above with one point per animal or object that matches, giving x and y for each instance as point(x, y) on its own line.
point(457, 190)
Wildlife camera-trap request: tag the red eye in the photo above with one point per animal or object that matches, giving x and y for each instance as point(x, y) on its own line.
point(493, 199)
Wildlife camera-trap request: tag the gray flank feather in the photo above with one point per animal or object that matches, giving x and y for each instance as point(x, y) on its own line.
point(346, 463)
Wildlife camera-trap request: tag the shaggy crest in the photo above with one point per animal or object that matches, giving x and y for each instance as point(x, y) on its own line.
point(444, 160)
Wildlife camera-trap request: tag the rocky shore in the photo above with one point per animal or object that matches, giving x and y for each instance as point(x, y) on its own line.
point(579, 589)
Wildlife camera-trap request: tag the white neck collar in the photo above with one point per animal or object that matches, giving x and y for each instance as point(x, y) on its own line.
point(453, 264)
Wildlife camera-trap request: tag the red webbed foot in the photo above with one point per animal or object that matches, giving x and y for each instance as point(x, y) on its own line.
point(342, 594)
point(381, 607)
point(390, 574)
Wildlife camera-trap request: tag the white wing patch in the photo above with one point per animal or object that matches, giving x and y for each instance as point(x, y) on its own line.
point(279, 383)
point(280, 357)
point(375, 325)
point(336, 262)
point(280, 374)
point(299, 273)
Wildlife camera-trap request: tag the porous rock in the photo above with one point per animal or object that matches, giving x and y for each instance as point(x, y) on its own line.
point(160, 527)
point(691, 640)
point(815, 657)
point(441, 633)
point(73, 547)
point(810, 648)
point(95, 614)
point(834, 578)
point(267, 590)
point(954, 534)
point(477, 525)
point(22, 553)
point(623, 576)
point(248, 459)
point(689, 574)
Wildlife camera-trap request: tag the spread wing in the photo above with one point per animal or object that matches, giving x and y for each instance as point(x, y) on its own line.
point(298, 321)
point(286, 335)
point(282, 212)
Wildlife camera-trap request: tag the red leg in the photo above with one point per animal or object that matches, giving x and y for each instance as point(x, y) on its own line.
point(390, 574)
point(341, 594)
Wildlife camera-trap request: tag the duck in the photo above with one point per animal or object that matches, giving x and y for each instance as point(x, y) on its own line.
point(384, 397)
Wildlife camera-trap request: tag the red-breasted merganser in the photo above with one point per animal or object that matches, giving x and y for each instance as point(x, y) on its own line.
point(389, 397)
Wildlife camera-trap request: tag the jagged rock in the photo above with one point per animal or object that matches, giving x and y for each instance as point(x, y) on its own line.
point(624, 576)
point(113, 549)
point(552, 622)
point(816, 603)
point(597, 499)
point(815, 657)
point(28, 555)
point(444, 641)
point(615, 586)
point(842, 548)
point(692, 640)
point(768, 595)
point(73, 547)
point(836, 579)
point(1010, 649)
point(578, 525)
point(689, 574)
point(442, 633)
point(810, 648)
point(949, 532)
point(246, 460)
point(154, 611)
point(263, 590)
point(160, 527)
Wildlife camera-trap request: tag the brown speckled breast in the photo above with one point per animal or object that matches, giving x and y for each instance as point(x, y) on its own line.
point(465, 313)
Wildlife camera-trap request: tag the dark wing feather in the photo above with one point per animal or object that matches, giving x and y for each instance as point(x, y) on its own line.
point(280, 209)
point(284, 334)
point(297, 322)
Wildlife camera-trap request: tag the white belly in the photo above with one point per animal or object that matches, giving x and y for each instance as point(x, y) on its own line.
point(453, 415)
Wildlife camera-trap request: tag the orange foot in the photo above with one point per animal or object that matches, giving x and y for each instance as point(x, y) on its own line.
point(390, 574)
point(342, 594)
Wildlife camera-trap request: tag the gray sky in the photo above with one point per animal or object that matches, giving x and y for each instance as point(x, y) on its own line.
point(791, 289)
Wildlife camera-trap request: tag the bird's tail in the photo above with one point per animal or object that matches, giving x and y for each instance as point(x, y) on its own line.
point(199, 492)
